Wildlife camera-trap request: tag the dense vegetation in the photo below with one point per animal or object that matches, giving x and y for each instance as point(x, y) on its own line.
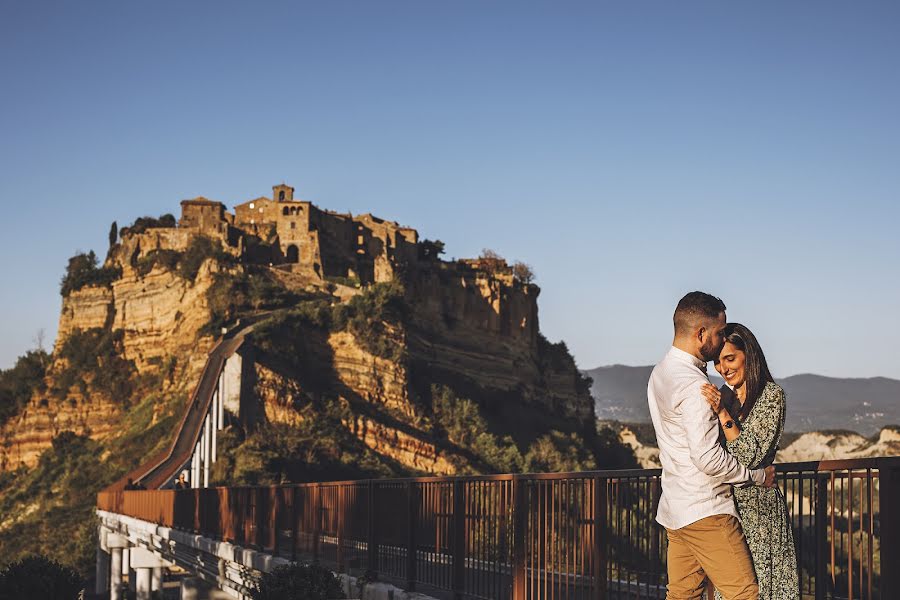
point(298, 582)
point(19, 382)
point(142, 224)
point(463, 423)
point(49, 509)
point(93, 362)
point(318, 448)
point(369, 316)
point(54, 504)
point(39, 577)
point(83, 270)
point(185, 264)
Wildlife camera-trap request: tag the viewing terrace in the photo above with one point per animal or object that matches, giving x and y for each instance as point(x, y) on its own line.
point(520, 537)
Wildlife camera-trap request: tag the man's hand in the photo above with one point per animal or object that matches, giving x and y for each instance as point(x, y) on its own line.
point(770, 476)
point(713, 397)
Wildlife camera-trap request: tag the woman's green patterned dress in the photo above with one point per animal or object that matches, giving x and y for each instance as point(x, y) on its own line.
point(763, 512)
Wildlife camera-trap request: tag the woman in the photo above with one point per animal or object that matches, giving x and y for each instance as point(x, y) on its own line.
point(751, 411)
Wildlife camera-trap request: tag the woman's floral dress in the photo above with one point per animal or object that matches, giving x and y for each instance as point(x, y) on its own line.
point(763, 511)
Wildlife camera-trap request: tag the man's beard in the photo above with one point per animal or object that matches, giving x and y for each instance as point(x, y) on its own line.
point(710, 352)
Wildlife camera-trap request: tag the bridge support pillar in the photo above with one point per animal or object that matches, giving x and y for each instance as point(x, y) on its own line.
point(118, 547)
point(142, 584)
point(156, 579)
point(149, 571)
point(102, 581)
point(115, 580)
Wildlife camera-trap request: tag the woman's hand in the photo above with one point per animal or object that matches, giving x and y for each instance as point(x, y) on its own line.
point(713, 396)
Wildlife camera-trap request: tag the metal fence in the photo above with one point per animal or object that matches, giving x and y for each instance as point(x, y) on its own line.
point(537, 536)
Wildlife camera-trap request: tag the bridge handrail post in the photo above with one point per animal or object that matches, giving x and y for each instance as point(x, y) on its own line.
point(459, 538)
point(371, 534)
point(600, 537)
point(317, 521)
point(889, 517)
point(412, 496)
point(295, 522)
point(821, 520)
point(519, 531)
point(274, 526)
point(341, 493)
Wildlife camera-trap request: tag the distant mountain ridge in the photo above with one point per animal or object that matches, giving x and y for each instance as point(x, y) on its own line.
point(815, 402)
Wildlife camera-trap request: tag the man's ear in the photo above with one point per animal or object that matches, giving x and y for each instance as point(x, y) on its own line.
point(701, 333)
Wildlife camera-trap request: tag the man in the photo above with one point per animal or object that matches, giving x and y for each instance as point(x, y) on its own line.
point(696, 507)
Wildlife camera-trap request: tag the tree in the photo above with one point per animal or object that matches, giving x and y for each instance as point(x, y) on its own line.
point(488, 254)
point(39, 577)
point(523, 272)
point(298, 582)
point(430, 250)
point(113, 234)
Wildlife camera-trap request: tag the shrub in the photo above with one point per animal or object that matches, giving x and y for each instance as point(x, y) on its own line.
point(464, 425)
point(39, 577)
point(142, 224)
point(365, 316)
point(523, 272)
point(233, 294)
point(21, 381)
point(97, 353)
point(168, 259)
point(199, 249)
point(430, 250)
point(557, 452)
point(298, 582)
point(82, 270)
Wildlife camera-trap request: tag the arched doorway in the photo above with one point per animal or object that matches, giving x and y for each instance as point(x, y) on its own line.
point(293, 253)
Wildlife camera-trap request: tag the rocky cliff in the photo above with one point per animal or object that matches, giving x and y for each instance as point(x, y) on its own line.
point(163, 293)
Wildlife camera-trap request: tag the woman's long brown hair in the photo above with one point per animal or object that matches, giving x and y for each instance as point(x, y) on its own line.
point(756, 369)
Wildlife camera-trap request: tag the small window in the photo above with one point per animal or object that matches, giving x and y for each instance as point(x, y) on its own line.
point(281, 195)
point(293, 225)
point(252, 206)
point(285, 211)
point(260, 209)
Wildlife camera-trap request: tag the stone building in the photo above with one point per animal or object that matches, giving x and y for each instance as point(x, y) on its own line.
point(307, 239)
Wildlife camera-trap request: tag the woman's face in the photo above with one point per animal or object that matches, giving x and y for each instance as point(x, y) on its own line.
point(730, 365)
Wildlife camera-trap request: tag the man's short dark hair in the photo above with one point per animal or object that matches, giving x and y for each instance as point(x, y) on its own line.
point(696, 306)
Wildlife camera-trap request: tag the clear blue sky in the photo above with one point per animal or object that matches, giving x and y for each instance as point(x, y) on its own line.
point(629, 151)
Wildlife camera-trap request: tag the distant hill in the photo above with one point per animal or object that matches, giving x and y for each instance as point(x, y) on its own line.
point(815, 402)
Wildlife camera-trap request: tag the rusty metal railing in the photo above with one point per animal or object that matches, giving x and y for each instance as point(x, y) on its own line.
point(537, 536)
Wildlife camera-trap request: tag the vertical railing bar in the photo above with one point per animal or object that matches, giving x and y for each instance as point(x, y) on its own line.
point(871, 532)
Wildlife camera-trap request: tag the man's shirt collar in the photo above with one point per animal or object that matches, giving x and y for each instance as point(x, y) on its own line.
point(679, 354)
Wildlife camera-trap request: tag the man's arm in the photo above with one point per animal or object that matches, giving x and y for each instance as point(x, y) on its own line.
point(702, 430)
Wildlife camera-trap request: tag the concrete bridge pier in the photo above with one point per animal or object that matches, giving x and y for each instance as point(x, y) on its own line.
point(148, 566)
point(118, 547)
point(156, 579)
point(102, 573)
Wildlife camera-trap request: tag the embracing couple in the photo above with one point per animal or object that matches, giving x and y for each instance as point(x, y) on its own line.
point(725, 519)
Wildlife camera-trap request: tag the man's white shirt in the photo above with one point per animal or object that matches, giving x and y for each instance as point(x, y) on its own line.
point(697, 472)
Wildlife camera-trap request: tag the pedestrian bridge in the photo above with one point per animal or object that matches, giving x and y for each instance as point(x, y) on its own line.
point(536, 536)
point(520, 537)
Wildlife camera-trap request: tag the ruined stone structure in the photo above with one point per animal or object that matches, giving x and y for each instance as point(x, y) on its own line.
point(305, 238)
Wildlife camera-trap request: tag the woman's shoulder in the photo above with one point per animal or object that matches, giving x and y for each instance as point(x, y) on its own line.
point(773, 391)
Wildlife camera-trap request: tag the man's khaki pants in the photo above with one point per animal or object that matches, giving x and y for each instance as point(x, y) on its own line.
point(713, 547)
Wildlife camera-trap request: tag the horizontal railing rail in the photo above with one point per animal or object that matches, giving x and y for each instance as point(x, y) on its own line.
point(536, 536)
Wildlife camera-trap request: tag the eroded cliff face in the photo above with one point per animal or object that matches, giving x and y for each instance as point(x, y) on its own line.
point(471, 330)
point(481, 332)
point(160, 316)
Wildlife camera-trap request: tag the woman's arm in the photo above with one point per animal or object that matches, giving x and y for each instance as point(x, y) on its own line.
point(729, 425)
point(760, 435)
